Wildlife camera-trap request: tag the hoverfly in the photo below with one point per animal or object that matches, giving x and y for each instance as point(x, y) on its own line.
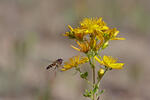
point(57, 63)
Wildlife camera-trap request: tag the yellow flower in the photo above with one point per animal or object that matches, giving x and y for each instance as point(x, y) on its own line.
point(96, 44)
point(77, 33)
point(92, 44)
point(69, 34)
point(101, 41)
point(84, 46)
point(111, 34)
point(110, 62)
point(74, 62)
point(93, 25)
point(87, 26)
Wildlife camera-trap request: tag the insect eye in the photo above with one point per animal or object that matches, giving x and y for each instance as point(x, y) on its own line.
point(60, 60)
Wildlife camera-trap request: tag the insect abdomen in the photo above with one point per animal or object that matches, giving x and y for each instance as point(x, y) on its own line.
point(51, 65)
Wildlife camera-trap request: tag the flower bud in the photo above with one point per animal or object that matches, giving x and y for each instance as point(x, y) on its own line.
point(101, 73)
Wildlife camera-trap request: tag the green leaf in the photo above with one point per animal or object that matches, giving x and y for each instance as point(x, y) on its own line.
point(95, 89)
point(87, 93)
point(99, 93)
point(84, 75)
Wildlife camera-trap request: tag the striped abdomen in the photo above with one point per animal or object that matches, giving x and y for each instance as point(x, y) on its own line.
point(51, 65)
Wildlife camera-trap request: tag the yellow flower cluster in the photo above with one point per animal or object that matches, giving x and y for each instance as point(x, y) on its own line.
point(74, 62)
point(92, 34)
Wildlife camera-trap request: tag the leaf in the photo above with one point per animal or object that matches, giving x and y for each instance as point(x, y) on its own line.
point(84, 75)
point(99, 93)
point(87, 93)
point(95, 89)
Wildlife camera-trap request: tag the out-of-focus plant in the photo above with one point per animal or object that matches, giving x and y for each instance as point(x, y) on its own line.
point(92, 36)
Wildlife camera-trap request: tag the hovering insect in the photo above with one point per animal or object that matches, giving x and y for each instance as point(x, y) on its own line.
point(57, 63)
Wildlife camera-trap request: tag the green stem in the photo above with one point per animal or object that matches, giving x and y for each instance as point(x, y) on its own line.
point(92, 65)
point(91, 62)
point(94, 95)
point(93, 71)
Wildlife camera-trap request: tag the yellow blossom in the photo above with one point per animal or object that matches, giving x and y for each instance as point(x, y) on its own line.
point(84, 46)
point(96, 44)
point(77, 33)
point(110, 62)
point(101, 41)
point(74, 62)
point(69, 34)
point(92, 44)
point(112, 33)
point(93, 25)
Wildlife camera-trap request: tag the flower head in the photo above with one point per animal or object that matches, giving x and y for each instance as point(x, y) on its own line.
point(91, 44)
point(84, 46)
point(74, 62)
point(112, 34)
point(91, 30)
point(76, 33)
point(93, 25)
point(110, 62)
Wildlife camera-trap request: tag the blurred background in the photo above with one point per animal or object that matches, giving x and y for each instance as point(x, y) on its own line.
point(31, 37)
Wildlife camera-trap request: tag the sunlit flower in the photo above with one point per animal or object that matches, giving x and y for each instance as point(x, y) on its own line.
point(92, 44)
point(70, 33)
point(83, 46)
point(76, 33)
point(110, 62)
point(112, 34)
point(95, 44)
point(74, 62)
point(93, 25)
point(101, 41)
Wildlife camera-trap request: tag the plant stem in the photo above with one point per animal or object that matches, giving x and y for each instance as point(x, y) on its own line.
point(91, 61)
point(93, 68)
point(94, 75)
point(94, 95)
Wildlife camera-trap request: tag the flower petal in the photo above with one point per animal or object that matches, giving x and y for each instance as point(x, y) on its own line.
point(96, 58)
point(117, 65)
point(75, 48)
